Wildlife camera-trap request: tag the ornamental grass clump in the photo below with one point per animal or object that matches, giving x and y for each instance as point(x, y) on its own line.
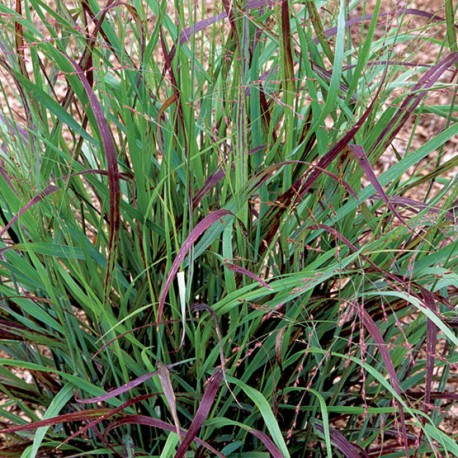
point(223, 231)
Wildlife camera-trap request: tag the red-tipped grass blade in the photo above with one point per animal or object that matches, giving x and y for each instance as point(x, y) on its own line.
point(50, 189)
point(112, 164)
point(243, 271)
point(200, 228)
point(202, 412)
point(159, 424)
point(347, 448)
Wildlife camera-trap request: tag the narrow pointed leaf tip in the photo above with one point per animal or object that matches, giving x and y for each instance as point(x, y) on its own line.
point(156, 423)
point(167, 388)
point(363, 161)
point(49, 190)
point(202, 412)
point(347, 448)
point(243, 271)
point(118, 391)
point(373, 330)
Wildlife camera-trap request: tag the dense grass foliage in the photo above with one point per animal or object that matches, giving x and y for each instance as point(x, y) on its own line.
point(203, 250)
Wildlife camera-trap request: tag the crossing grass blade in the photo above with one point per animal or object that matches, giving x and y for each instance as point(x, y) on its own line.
point(267, 414)
point(200, 228)
point(278, 159)
point(156, 423)
point(112, 167)
point(202, 412)
point(46, 192)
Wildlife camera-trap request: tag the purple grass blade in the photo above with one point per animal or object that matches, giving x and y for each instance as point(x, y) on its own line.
point(338, 179)
point(243, 271)
point(50, 189)
point(166, 384)
point(168, 68)
point(418, 92)
point(200, 228)
point(5, 175)
point(15, 129)
point(417, 206)
point(431, 343)
point(257, 149)
point(219, 334)
point(11, 330)
point(286, 41)
point(100, 17)
point(201, 415)
point(434, 395)
point(391, 63)
point(304, 184)
point(64, 418)
point(96, 432)
point(363, 161)
point(229, 8)
point(358, 20)
point(253, 4)
point(107, 415)
point(122, 175)
point(373, 330)
point(405, 282)
point(329, 157)
point(425, 296)
point(113, 170)
point(219, 174)
point(320, 71)
point(98, 20)
point(160, 424)
point(211, 181)
point(123, 334)
point(122, 389)
point(188, 32)
point(268, 442)
point(347, 448)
